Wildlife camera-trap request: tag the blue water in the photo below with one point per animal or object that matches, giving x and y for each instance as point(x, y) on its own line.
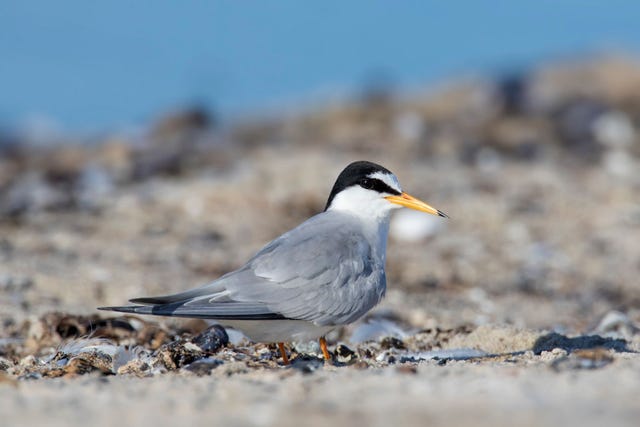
point(97, 65)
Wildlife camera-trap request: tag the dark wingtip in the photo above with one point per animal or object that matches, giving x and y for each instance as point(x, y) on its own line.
point(146, 300)
point(124, 309)
point(442, 214)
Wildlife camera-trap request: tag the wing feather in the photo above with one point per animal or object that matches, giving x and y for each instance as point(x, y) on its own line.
point(324, 271)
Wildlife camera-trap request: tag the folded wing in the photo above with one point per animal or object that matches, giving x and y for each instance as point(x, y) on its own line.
point(322, 271)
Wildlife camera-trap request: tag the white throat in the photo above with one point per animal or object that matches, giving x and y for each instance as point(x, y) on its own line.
point(372, 210)
point(369, 205)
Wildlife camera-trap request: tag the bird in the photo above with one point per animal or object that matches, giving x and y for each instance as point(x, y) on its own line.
point(325, 273)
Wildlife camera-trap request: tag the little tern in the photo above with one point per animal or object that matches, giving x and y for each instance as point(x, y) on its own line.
point(326, 272)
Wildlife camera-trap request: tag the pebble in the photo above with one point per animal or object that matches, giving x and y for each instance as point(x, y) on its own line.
point(212, 339)
point(344, 354)
point(203, 366)
point(307, 364)
point(5, 364)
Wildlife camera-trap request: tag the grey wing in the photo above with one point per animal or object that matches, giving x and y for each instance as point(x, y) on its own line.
point(322, 271)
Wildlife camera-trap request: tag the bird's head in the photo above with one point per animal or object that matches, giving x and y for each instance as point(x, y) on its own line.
point(368, 189)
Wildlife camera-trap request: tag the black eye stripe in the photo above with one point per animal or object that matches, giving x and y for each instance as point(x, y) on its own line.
point(366, 183)
point(377, 185)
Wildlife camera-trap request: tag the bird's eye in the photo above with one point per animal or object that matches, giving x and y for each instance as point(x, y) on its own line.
point(366, 183)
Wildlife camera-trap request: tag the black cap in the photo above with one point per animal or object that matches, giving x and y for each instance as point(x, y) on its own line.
point(358, 173)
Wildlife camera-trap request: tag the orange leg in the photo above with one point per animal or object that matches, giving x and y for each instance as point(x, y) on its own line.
point(325, 352)
point(283, 353)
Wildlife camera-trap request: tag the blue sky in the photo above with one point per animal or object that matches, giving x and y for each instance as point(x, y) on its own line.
point(99, 65)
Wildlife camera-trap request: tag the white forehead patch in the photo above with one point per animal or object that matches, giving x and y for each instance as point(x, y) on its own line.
point(388, 178)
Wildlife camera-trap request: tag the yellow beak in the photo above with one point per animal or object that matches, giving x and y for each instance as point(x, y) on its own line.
point(411, 202)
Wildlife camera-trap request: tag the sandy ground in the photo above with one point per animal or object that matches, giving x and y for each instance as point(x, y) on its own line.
point(459, 393)
point(523, 308)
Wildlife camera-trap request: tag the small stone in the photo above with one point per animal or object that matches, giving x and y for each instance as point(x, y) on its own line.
point(307, 347)
point(5, 364)
point(177, 355)
point(406, 369)
point(344, 354)
point(97, 360)
point(29, 361)
point(135, 367)
point(204, 366)
point(307, 364)
point(392, 342)
point(382, 356)
point(211, 340)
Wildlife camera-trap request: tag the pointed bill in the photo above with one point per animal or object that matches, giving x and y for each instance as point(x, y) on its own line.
point(411, 202)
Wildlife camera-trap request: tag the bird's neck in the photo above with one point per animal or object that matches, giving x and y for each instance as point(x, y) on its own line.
point(375, 227)
point(379, 234)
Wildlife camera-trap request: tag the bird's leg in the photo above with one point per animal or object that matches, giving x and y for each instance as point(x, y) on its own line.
point(323, 347)
point(283, 353)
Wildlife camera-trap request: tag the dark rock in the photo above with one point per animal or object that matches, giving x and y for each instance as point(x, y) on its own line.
point(554, 340)
point(211, 340)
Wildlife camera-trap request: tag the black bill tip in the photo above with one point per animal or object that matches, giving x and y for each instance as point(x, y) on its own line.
point(442, 214)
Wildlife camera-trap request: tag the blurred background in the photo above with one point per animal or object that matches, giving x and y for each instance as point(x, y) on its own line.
point(148, 147)
point(79, 67)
